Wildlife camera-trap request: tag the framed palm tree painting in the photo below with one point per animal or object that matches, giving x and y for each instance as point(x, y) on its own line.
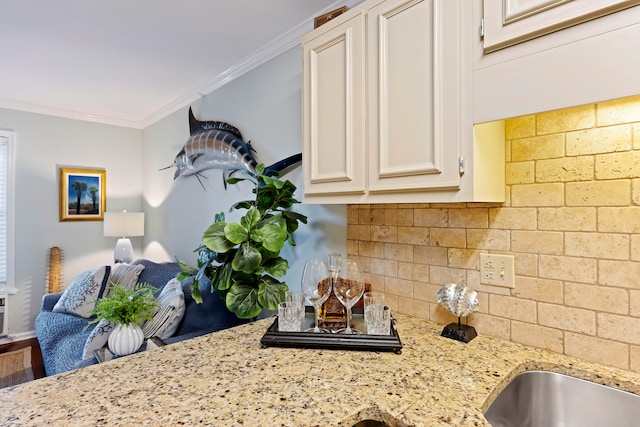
point(82, 194)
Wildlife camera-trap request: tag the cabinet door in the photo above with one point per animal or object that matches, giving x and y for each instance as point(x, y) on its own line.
point(414, 78)
point(507, 22)
point(334, 110)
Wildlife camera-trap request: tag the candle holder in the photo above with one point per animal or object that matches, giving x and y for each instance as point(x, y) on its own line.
point(460, 301)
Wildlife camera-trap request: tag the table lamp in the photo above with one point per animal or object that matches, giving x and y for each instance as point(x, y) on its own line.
point(123, 224)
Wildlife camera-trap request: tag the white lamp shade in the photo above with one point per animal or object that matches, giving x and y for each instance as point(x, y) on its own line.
point(123, 224)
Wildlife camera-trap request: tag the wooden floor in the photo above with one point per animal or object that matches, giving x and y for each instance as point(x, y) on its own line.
point(36, 356)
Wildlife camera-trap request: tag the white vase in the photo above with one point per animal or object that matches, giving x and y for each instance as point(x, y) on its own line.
point(125, 339)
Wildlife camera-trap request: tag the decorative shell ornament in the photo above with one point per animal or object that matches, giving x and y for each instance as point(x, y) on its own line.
point(460, 301)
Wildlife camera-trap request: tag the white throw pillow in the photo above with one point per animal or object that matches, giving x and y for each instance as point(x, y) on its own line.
point(80, 296)
point(169, 313)
point(97, 338)
point(125, 275)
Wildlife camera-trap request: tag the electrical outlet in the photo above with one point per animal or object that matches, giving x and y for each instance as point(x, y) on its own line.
point(497, 270)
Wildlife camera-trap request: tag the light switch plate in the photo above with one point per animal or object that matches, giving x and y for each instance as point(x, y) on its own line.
point(497, 270)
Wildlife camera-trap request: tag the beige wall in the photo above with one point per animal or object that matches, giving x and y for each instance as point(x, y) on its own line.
point(571, 220)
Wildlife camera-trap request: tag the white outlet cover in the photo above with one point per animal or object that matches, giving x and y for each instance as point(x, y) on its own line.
point(497, 270)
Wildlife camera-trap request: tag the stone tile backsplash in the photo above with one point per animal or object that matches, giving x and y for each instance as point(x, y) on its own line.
point(571, 219)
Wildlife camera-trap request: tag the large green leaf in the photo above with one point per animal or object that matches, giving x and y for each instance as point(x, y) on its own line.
point(276, 267)
point(222, 279)
point(250, 219)
point(247, 259)
point(214, 238)
point(235, 233)
point(271, 292)
point(273, 233)
point(242, 299)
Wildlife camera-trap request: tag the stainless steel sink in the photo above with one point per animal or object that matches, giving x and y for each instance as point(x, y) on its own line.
point(540, 398)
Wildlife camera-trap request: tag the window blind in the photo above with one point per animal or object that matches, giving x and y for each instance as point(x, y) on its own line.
point(4, 206)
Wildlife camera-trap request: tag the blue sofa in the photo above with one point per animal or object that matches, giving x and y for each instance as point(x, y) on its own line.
point(62, 336)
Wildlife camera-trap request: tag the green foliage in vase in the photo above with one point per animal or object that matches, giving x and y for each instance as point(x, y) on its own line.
point(127, 306)
point(242, 260)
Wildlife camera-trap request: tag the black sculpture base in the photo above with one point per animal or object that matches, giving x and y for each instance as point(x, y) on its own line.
point(458, 332)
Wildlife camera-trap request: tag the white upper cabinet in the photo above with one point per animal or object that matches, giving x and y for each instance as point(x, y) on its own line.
point(507, 22)
point(387, 108)
point(541, 55)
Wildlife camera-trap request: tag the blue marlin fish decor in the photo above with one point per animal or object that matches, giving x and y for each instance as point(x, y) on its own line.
point(219, 145)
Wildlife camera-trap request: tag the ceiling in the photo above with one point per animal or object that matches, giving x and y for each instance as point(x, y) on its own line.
point(130, 63)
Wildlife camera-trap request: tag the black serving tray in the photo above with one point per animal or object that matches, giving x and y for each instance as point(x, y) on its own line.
point(336, 341)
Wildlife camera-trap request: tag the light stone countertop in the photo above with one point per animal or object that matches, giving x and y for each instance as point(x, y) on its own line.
point(227, 379)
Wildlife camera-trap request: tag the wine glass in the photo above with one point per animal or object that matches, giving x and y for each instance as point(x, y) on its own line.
point(316, 287)
point(349, 287)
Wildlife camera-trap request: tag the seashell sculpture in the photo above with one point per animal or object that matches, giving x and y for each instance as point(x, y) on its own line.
point(460, 301)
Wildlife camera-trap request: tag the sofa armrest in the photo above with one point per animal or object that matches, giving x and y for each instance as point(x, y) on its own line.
point(49, 301)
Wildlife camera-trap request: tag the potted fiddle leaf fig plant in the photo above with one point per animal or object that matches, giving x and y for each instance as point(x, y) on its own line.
point(242, 259)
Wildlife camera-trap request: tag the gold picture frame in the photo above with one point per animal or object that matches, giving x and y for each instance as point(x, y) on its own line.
point(83, 194)
point(323, 19)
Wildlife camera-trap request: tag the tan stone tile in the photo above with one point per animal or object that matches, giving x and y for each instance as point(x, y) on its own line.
point(567, 219)
point(536, 289)
point(483, 302)
point(393, 301)
point(596, 350)
point(599, 140)
point(634, 358)
point(490, 325)
point(568, 119)
point(634, 303)
point(618, 165)
point(415, 308)
point(411, 271)
point(384, 233)
point(537, 242)
point(623, 110)
point(567, 318)
point(520, 173)
point(597, 298)
point(352, 247)
point(549, 194)
point(636, 136)
point(469, 218)
point(635, 248)
point(622, 274)
point(413, 235)
point(597, 245)
point(432, 255)
point(581, 270)
point(566, 169)
point(619, 328)
point(537, 336)
point(512, 308)
point(426, 292)
point(448, 237)
point(372, 249)
point(371, 216)
point(430, 217)
point(441, 275)
point(376, 281)
point(635, 191)
point(401, 217)
point(489, 239)
point(598, 193)
point(399, 287)
point(513, 218)
point(359, 232)
point(400, 252)
point(353, 215)
point(520, 127)
point(526, 264)
point(384, 267)
point(463, 258)
point(539, 147)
